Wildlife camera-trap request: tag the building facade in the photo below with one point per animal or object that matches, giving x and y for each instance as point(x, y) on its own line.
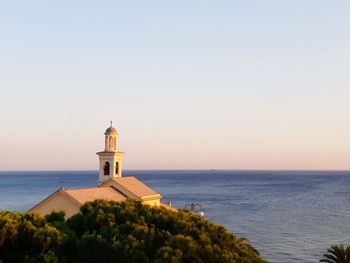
point(112, 185)
point(110, 159)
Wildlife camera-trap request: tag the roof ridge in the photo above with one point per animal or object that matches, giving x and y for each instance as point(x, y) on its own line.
point(81, 188)
point(44, 200)
point(117, 190)
point(52, 195)
point(71, 197)
point(128, 191)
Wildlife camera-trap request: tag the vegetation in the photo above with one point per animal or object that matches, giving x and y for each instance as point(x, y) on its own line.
point(28, 238)
point(119, 232)
point(337, 254)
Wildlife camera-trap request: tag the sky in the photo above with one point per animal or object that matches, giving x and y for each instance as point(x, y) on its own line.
point(188, 84)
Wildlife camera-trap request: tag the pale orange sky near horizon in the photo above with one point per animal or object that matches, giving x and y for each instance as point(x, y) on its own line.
point(196, 85)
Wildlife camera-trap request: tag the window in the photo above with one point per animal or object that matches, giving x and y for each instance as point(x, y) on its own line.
point(116, 168)
point(106, 168)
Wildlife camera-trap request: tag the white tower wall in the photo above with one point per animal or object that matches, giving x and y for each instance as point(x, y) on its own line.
point(110, 159)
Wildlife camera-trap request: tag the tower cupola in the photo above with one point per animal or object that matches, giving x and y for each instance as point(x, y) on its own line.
point(111, 135)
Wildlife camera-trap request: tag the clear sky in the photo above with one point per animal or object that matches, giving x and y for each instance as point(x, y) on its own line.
point(188, 84)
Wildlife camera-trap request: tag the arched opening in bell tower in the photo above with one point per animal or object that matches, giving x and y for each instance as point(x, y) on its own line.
point(116, 168)
point(111, 145)
point(106, 168)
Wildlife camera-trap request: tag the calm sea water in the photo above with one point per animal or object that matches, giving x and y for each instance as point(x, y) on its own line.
point(289, 216)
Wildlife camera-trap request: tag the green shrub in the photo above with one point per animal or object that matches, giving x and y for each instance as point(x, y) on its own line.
point(28, 238)
point(132, 232)
point(106, 231)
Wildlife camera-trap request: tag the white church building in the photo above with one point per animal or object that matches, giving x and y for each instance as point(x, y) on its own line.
point(112, 185)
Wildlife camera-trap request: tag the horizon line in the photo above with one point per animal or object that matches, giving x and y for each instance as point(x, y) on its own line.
point(173, 169)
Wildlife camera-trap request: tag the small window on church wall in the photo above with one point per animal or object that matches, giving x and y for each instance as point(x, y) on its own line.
point(106, 168)
point(117, 168)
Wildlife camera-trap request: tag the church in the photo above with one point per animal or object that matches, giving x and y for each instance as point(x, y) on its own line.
point(112, 185)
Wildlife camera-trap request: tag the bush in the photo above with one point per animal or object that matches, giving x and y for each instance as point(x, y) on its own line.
point(28, 238)
point(106, 231)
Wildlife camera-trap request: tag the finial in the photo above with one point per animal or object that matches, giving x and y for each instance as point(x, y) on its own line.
point(111, 123)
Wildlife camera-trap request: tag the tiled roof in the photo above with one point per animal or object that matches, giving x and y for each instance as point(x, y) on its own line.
point(116, 189)
point(130, 185)
point(84, 195)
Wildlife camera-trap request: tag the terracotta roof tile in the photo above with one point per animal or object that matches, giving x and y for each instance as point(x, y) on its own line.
point(133, 185)
point(84, 195)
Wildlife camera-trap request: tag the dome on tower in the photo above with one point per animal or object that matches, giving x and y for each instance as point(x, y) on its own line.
point(111, 131)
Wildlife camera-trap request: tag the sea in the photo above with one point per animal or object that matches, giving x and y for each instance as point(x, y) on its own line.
point(289, 216)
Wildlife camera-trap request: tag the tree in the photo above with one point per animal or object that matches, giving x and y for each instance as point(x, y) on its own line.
point(28, 238)
point(132, 232)
point(337, 254)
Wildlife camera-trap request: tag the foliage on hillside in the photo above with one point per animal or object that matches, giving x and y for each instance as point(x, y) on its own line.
point(28, 238)
point(120, 232)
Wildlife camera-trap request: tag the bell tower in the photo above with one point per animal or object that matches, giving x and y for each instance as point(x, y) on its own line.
point(110, 159)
